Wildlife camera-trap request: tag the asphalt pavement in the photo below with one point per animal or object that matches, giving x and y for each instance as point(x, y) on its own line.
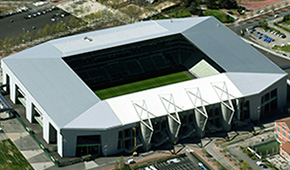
point(182, 163)
point(238, 26)
point(210, 149)
point(235, 151)
point(15, 25)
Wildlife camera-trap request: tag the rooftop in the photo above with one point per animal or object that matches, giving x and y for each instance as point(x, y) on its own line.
point(58, 90)
point(286, 120)
point(286, 146)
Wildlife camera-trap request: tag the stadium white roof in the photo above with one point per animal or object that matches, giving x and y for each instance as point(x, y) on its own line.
point(71, 104)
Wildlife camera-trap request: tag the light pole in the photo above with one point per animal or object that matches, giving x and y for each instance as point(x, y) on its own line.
point(135, 142)
point(23, 40)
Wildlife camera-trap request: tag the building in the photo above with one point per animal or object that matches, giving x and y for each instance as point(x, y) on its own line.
point(285, 150)
point(282, 135)
point(228, 83)
point(282, 131)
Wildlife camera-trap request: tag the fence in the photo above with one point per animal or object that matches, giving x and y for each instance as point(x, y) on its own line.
point(199, 160)
point(265, 149)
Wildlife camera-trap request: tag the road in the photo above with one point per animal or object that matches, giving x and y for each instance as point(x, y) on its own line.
point(234, 150)
point(237, 27)
point(185, 163)
point(210, 149)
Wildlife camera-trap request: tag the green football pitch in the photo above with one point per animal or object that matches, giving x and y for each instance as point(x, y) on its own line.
point(267, 148)
point(143, 85)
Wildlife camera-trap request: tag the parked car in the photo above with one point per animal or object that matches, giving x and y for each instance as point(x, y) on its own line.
point(175, 160)
point(201, 166)
point(131, 161)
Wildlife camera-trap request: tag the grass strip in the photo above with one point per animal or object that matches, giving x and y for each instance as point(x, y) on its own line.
point(11, 157)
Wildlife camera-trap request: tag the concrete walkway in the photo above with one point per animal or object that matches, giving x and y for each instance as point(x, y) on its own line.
point(210, 149)
point(25, 144)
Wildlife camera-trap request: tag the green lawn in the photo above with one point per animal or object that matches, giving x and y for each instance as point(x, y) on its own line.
point(221, 16)
point(283, 27)
point(272, 147)
point(178, 12)
point(285, 48)
point(11, 158)
point(143, 85)
point(175, 12)
point(287, 22)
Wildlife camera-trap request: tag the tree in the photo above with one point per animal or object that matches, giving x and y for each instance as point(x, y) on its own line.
point(286, 18)
point(39, 33)
point(245, 165)
point(133, 12)
point(122, 162)
point(27, 36)
point(116, 166)
point(101, 1)
point(194, 8)
point(46, 30)
point(263, 24)
point(74, 22)
point(1, 44)
point(7, 44)
point(228, 4)
point(116, 4)
point(211, 4)
point(18, 40)
point(188, 3)
point(60, 27)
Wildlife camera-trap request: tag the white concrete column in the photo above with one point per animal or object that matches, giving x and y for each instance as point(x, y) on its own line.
point(59, 143)
point(12, 90)
point(174, 126)
point(147, 133)
point(45, 129)
point(4, 81)
point(28, 110)
point(200, 123)
point(226, 117)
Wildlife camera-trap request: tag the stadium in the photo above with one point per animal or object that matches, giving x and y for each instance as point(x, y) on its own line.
point(142, 85)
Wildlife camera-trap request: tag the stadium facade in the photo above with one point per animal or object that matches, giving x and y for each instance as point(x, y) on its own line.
point(231, 84)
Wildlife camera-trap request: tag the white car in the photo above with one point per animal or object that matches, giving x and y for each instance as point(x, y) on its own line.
point(175, 160)
point(131, 161)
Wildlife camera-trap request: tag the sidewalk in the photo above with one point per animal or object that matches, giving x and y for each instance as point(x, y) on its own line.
point(208, 160)
point(231, 161)
point(26, 144)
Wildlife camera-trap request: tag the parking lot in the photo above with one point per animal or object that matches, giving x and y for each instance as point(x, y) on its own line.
point(272, 37)
point(181, 163)
point(269, 38)
point(30, 20)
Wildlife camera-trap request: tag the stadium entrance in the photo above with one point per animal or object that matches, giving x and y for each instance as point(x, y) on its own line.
point(88, 145)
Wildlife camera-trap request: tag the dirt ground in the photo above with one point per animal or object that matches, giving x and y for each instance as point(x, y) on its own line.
point(257, 4)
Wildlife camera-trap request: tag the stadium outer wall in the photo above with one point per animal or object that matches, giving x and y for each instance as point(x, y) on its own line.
point(66, 138)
